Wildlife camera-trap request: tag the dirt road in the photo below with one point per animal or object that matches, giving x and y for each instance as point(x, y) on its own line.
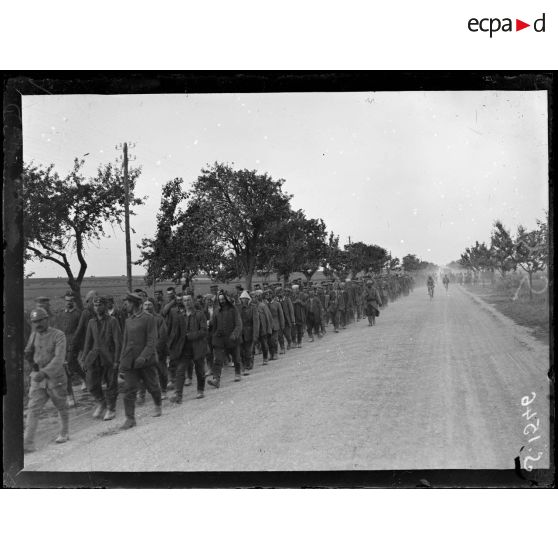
point(435, 384)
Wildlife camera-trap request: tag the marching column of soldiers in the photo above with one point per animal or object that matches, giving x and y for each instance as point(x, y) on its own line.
point(156, 345)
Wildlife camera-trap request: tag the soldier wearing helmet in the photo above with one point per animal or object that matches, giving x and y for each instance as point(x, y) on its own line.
point(46, 352)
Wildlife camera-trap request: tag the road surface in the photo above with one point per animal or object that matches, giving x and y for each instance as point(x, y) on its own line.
point(435, 384)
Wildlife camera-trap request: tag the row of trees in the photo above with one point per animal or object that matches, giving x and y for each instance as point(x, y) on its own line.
point(236, 223)
point(229, 224)
point(528, 250)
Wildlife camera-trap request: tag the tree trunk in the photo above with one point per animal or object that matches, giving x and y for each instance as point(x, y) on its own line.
point(530, 285)
point(75, 287)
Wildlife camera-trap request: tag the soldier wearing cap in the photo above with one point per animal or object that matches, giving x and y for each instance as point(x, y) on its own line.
point(158, 301)
point(161, 352)
point(277, 323)
point(313, 316)
point(101, 352)
point(288, 314)
point(299, 308)
point(68, 321)
point(250, 330)
point(87, 314)
point(191, 347)
point(45, 351)
point(333, 306)
point(265, 319)
point(227, 329)
point(116, 313)
point(137, 359)
point(170, 312)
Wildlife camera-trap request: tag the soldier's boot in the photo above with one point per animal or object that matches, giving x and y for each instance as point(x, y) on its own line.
point(216, 380)
point(110, 414)
point(99, 410)
point(200, 395)
point(237, 377)
point(128, 423)
point(140, 399)
point(176, 398)
point(64, 427)
point(311, 339)
point(30, 429)
point(157, 411)
point(289, 346)
point(265, 361)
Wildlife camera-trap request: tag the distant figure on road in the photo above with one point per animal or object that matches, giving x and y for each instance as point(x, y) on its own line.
point(430, 286)
point(446, 281)
point(46, 352)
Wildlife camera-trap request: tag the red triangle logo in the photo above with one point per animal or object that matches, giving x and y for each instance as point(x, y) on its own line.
point(519, 25)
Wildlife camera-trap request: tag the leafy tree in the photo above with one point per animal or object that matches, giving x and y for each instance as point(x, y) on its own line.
point(62, 215)
point(477, 258)
point(183, 245)
point(335, 261)
point(411, 263)
point(531, 251)
point(240, 207)
point(502, 248)
point(296, 244)
point(392, 264)
point(365, 257)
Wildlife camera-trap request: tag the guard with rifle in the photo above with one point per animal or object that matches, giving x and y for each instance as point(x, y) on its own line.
point(46, 353)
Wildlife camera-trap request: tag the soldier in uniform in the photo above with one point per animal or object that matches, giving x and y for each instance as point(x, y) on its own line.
point(68, 321)
point(115, 312)
point(87, 314)
point(45, 351)
point(137, 359)
point(227, 328)
point(342, 305)
point(333, 306)
point(277, 323)
point(288, 314)
point(161, 352)
point(170, 313)
point(158, 302)
point(191, 348)
point(208, 312)
point(250, 329)
point(299, 308)
point(373, 302)
point(266, 325)
point(313, 316)
point(101, 353)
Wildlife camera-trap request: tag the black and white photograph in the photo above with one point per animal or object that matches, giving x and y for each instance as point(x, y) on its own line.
point(261, 274)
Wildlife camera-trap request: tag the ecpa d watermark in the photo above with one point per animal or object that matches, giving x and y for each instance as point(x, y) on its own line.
point(492, 25)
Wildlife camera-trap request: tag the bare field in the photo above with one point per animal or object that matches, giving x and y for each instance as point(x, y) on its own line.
point(514, 302)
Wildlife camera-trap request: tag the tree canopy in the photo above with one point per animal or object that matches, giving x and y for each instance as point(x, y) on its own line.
point(63, 215)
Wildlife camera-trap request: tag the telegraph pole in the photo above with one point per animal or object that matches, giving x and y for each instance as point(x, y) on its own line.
point(124, 148)
point(127, 219)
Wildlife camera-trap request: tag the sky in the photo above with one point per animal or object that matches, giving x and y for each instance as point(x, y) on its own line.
point(425, 173)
